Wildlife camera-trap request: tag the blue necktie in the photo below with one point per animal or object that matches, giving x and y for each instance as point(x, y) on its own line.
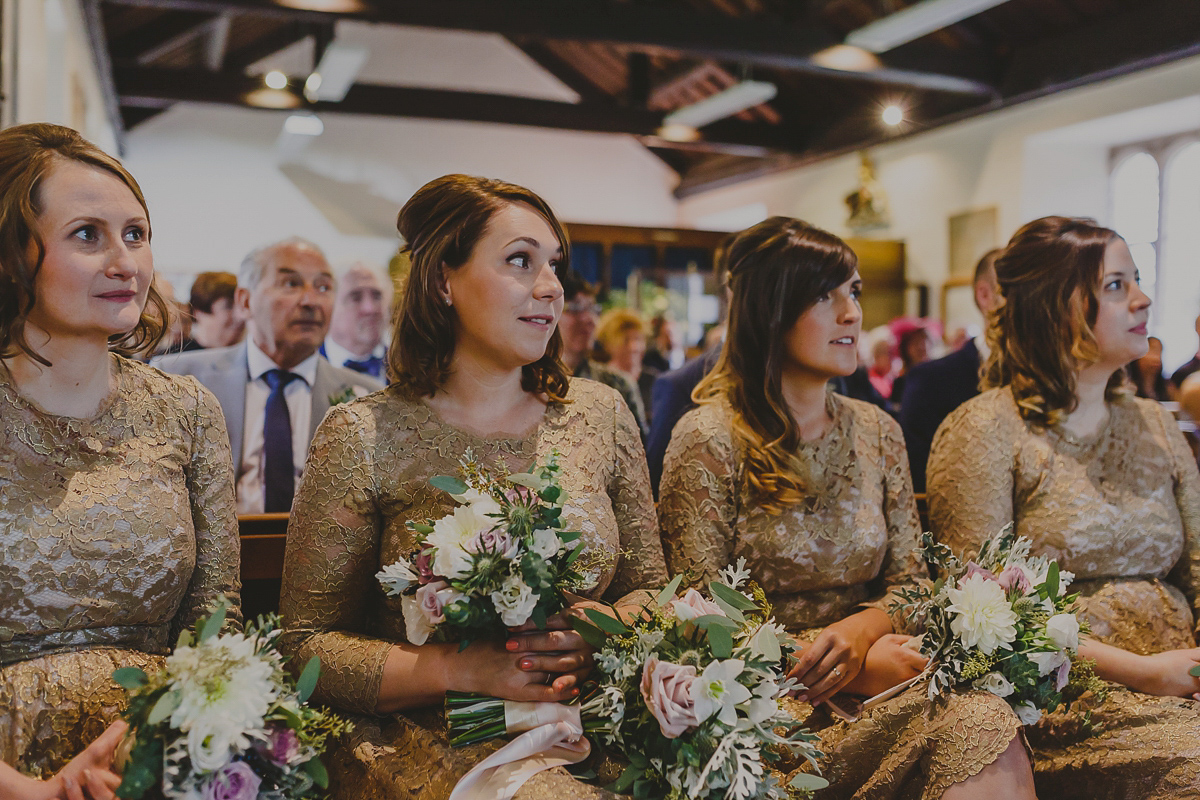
point(372, 365)
point(279, 470)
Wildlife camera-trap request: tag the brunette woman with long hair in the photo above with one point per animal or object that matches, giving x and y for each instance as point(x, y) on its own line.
point(813, 490)
point(1098, 479)
point(475, 368)
point(117, 522)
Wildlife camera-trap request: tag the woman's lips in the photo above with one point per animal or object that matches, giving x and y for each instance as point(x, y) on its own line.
point(121, 296)
point(1140, 329)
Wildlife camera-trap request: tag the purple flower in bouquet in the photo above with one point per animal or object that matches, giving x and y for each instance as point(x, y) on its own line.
point(282, 745)
point(234, 781)
point(424, 565)
point(975, 569)
point(1015, 578)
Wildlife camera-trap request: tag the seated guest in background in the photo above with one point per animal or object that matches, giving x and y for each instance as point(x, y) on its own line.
point(117, 522)
point(360, 313)
point(1181, 374)
point(1147, 375)
point(475, 369)
point(936, 388)
point(664, 352)
point(812, 489)
point(274, 387)
point(622, 335)
point(914, 348)
point(215, 322)
point(882, 369)
point(1099, 480)
point(581, 314)
point(178, 336)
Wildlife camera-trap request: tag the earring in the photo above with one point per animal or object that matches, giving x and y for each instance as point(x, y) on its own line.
point(448, 301)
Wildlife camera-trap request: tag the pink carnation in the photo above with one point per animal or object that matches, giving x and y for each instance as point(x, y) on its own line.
point(667, 689)
point(1015, 578)
point(975, 569)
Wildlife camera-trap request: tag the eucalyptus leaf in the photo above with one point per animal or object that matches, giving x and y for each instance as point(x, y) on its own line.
point(720, 641)
point(668, 592)
point(625, 780)
point(765, 643)
point(165, 707)
point(130, 678)
point(806, 782)
point(448, 484)
point(715, 621)
point(590, 633)
point(1052, 580)
point(730, 611)
point(569, 536)
point(308, 679)
point(528, 481)
point(731, 596)
point(184, 640)
point(213, 625)
point(606, 623)
point(316, 770)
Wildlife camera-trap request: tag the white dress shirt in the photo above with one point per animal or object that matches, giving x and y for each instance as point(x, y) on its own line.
point(338, 355)
point(251, 490)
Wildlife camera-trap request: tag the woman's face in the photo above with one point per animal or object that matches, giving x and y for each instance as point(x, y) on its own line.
point(507, 296)
point(823, 342)
point(97, 267)
point(1123, 309)
point(628, 352)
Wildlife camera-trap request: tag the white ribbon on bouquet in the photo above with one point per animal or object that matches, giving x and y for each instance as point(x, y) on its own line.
point(552, 737)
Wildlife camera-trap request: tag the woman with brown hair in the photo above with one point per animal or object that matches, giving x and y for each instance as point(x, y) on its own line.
point(475, 367)
point(116, 485)
point(813, 490)
point(1098, 479)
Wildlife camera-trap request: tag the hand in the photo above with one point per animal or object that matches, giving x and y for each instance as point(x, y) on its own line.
point(1166, 674)
point(836, 656)
point(491, 668)
point(558, 648)
point(86, 777)
point(889, 663)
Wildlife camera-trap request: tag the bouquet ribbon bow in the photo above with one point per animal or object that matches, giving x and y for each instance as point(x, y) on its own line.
point(553, 737)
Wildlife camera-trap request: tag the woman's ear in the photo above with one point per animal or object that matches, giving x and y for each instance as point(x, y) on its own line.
point(443, 285)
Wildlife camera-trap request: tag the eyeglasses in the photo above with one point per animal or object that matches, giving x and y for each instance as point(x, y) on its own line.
point(582, 307)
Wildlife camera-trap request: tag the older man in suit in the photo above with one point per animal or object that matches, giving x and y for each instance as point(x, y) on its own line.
point(274, 387)
point(935, 388)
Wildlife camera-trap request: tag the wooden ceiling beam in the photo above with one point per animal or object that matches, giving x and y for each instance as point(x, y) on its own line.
point(767, 43)
point(158, 88)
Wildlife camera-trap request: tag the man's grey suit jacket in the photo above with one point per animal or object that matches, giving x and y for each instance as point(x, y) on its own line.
point(224, 371)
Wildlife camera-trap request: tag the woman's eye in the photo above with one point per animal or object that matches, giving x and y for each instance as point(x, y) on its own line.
point(87, 233)
point(1114, 285)
point(519, 259)
point(135, 234)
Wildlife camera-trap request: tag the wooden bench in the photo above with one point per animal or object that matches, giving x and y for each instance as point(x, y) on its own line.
point(264, 538)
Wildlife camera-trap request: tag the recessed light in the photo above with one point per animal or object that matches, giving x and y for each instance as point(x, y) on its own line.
point(847, 58)
point(329, 6)
point(275, 80)
point(272, 98)
point(893, 115)
point(674, 132)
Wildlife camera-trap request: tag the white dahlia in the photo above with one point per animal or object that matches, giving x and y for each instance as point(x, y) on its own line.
point(983, 616)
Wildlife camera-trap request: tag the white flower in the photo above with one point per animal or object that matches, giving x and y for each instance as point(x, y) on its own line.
point(450, 537)
point(225, 690)
point(763, 705)
point(716, 691)
point(1063, 630)
point(417, 626)
point(995, 683)
point(546, 543)
point(1028, 713)
point(210, 744)
point(514, 601)
point(983, 617)
point(396, 577)
point(1048, 661)
point(481, 501)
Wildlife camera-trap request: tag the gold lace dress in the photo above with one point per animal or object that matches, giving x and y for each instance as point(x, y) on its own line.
point(368, 474)
point(116, 532)
point(1121, 510)
point(853, 540)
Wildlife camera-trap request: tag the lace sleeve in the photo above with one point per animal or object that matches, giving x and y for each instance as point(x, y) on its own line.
point(1186, 573)
point(209, 479)
point(698, 496)
point(970, 476)
point(641, 561)
point(331, 559)
point(902, 565)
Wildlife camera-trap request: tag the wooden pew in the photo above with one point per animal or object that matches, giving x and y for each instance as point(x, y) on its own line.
point(264, 537)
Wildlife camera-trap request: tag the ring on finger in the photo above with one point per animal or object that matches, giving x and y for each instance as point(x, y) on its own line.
point(549, 678)
point(837, 672)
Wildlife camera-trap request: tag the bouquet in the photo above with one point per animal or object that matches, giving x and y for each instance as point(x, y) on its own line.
point(498, 561)
point(688, 695)
point(223, 720)
point(1003, 623)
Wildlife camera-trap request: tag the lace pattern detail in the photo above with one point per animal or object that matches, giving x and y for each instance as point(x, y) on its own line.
point(117, 531)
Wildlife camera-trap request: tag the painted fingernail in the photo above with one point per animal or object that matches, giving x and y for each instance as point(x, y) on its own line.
point(526, 663)
point(574, 691)
point(803, 698)
point(512, 644)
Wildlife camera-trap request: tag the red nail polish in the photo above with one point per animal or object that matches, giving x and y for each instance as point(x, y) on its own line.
point(512, 644)
point(526, 663)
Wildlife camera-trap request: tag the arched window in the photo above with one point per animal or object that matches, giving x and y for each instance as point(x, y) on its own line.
point(1179, 292)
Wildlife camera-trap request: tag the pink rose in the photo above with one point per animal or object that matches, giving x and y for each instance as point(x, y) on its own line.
point(282, 745)
point(975, 569)
point(424, 564)
point(667, 689)
point(430, 599)
point(494, 541)
point(692, 605)
point(1015, 578)
point(234, 781)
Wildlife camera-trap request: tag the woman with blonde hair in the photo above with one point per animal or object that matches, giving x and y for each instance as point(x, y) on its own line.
point(117, 515)
point(621, 334)
point(813, 490)
point(1101, 481)
point(475, 368)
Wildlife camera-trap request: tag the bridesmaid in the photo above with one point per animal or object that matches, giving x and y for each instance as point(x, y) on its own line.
point(475, 366)
point(1098, 479)
point(117, 516)
point(813, 490)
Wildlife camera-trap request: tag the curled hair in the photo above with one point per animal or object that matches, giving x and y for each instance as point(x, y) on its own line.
point(1041, 335)
point(441, 225)
point(28, 153)
point(777, 270)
